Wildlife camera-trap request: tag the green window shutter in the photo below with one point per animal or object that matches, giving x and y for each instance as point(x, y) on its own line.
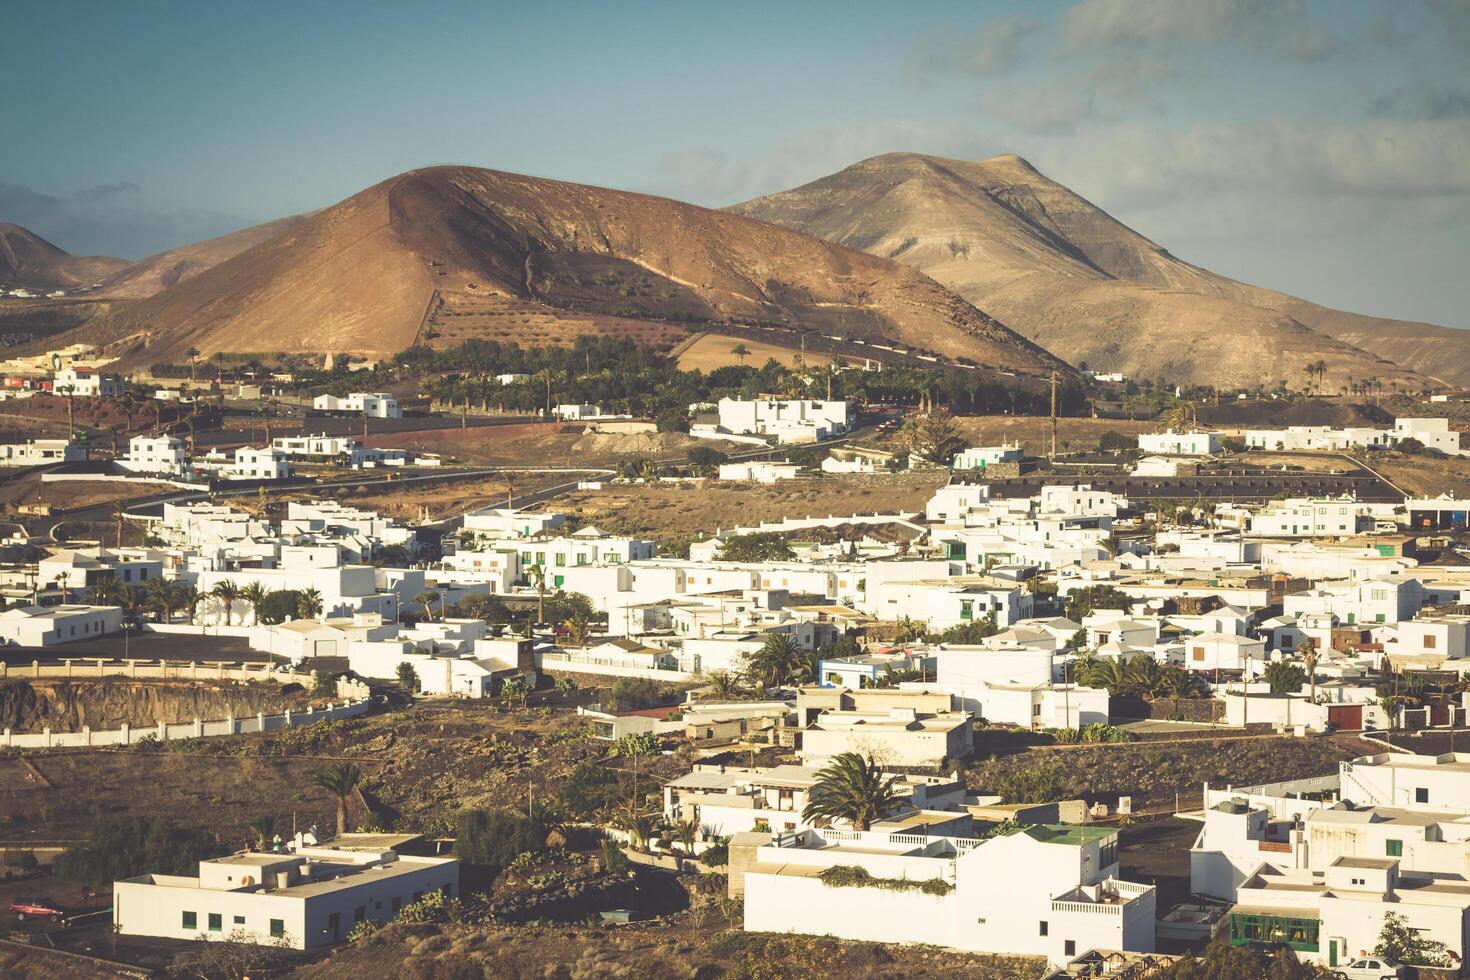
point(191, 920)
point(1395, 848)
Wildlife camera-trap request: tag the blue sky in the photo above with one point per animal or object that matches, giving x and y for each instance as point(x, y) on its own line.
point(1321, 148)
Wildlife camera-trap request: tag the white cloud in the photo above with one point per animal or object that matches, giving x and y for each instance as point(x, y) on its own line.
point(1280, 26)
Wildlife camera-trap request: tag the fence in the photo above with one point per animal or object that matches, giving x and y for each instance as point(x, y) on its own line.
point(191, 670)
point(582, 664)
point(127, 734)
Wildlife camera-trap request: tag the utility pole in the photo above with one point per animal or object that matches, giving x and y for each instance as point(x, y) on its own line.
point(1053, 416)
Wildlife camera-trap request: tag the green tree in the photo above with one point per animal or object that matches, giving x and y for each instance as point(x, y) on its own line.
point(427, 598)
point(760, 546)
point(106, 591)
point(339, 779)
point(122, 847)
point(933, 437)
point(514, 692)
point(308, 604)
point(1284, 677)
point(850, 788)
point(495, 838)
point(1400, 942)
point(740, 351)
point(408, 678)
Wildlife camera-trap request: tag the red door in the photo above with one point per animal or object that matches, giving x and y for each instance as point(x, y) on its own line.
point(1345, 717)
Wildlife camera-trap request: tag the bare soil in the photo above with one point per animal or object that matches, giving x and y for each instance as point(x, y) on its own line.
point(71, 495)
point(714, 351)
point(1423, 476)
point(673, 512)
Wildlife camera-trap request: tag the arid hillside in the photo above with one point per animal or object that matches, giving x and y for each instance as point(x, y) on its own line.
point(27, 259)
point(445, 254)
point(156, 273)
point(1071, 277)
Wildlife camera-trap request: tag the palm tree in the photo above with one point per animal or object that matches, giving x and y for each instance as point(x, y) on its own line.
point(106, 591)
point(69, 393)
point(160, 597)
point(686, 832)
point(226, 592)
point(119, 512)
point(426, 599)
point(537, 574)
point(740, 351)
point(578, 627)
point(188, 598)
point(1309, 661)
point(850, 788)
point(1104, 672)
point(193, 355)
point(309, 604)
point(264, 828)
point(255, 594)
point(638, 825)
point(1176, 682)
point(776, 663)
point(340, 780)
point(721, 684)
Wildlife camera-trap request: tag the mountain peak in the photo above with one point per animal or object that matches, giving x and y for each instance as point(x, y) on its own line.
point(27, 259)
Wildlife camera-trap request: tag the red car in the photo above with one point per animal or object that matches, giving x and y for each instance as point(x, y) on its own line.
point(37, 908)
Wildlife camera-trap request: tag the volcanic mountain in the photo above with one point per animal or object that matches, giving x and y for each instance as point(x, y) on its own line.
point(1080, 283)
point(27, 259)
point(147, 277)
point(446, 254)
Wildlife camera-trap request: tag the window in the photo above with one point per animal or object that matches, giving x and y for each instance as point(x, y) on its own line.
point(397, 904)
point(1069, 947)
point(278, 928)
point(191, 920)
point(1394, 848)
point(216, 922)
point(1043, 928)
point(1429, 642)
point(239, 920)
point(1421, 794)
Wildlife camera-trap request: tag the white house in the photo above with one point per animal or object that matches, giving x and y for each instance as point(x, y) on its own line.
point(1061, 895)
point(759, 471)
point(796, 420)
point(87, 384)
point(575, 413)
point(983, 457)
point(41, 626)
point(304, 897)
point(259, 463)
point(41, 452)
point(1173, 443)
point(156, 454)
point(378, 405)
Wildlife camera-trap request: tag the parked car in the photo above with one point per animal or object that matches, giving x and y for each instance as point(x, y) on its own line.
point(1371, 968)
point(36, 908)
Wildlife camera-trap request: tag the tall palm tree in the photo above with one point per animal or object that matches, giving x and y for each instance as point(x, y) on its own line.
point(776, 663)
point(193, 355)
point(339, 779)
point(226, 592)
point(850, 788)
point(1309, 661)
point(721, 684)
point(309, 604)
point(264, 828)
point(255, 594)
point(578, 628)
point(740, 351)
point(188, 599)
point(537, 575)
point(119, 513)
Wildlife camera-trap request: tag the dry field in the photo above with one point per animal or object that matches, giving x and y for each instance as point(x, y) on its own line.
point(1422, 476)
point(714, 351)
point(543, 444)
point(673, 512)
point(71, 495)
point(442, 499)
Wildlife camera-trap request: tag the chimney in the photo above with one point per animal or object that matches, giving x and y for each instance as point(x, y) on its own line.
point(283, 879)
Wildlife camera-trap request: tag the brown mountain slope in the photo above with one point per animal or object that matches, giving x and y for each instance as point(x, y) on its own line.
point(447, 253)
point(27, 259)
point(1064, 272)
point(156, 273)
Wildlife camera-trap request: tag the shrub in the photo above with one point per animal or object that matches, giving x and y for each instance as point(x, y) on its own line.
point(852, 876)
point(631, 693)
point(1113, 442)
point(495, 838)
point(122, 847)
point(1043, 784)
point(636, 743)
